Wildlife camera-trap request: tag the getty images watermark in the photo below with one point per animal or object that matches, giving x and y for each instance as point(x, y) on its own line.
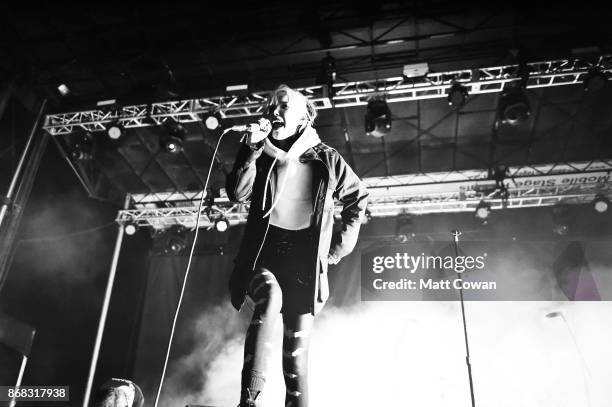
point(411, 264)
point(487, 270)
point(426, 271)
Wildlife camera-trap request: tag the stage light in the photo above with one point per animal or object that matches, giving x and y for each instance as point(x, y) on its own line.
point(378, 118)
point(173, 145)
point(328, 68)
point(130, 229)
point(63, 89)
point(237, 90)
point(560, 229)
point(327, 74)
point(221, 225)
point(176, 239)
point(595, 80)
point(172, 138)
point(417, 70)
point(212, 120)
point(483, 210)
point(106, 103)
point(513, 105)
point(561, 219)
point(83, 147)
point(80, 155)
point(115, 130)
point(601, 203)
point(457, 95)
point(175, 244)
point(404, 227)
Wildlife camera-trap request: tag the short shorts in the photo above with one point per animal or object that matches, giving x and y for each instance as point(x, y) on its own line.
point(288, 254)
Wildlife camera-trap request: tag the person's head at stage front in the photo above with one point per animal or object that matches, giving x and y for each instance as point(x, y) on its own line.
point(118, 393)
point(290, 113)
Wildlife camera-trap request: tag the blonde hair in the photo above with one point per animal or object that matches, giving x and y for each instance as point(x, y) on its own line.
point(311, 111)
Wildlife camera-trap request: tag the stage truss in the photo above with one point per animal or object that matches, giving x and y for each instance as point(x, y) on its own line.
point(397, 89)
point(457, 191)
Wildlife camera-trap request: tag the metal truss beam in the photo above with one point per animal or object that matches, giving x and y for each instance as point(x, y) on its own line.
point(456, 191)
point(397, 89)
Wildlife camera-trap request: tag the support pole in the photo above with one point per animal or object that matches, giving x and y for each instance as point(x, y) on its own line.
point(24, 361)
point(456, 234)
point(22, 159)
point(105, 306)
point(12, 205)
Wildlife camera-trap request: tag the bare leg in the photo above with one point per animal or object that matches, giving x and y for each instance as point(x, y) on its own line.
point(296, 339)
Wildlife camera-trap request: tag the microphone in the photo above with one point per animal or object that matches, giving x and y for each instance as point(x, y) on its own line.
point(263, 126)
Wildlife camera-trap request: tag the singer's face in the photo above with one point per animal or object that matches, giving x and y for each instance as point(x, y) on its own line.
point(291, 111)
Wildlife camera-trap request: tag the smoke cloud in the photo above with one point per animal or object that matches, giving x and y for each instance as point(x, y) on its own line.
point(546, 353)
point(404, 353)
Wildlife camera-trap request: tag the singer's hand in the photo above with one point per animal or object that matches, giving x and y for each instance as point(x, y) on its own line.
point(332, 259)
point(258, 131)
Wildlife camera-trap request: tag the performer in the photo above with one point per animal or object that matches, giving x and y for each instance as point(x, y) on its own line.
point(118, 393)
point(291, 180)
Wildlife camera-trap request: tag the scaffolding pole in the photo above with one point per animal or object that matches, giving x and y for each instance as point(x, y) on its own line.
point(105, 306)
point(19, 191)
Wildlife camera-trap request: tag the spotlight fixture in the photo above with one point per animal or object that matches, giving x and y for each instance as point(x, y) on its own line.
point(483, 210)
point(172, 138)
point(176, 240)
point(328, 66)
point(115, 130)
point(404, 228)
point(237, 90)
point(601, 203)
point(83, 147)
point(130, 229)
point(221, 225)
point(63, 89)
point(513, 105)
point(327, 74)
point(417, 70)
point(561, 219)
point(378, 118)
point(594, 80)
point(560, 229)
point(80, 154)
point(212, 120)
point(172, 144)
point(106, 103)
point(175, 245)
point(457, 95)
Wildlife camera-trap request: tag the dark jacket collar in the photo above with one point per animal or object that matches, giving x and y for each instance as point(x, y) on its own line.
point(310, 154)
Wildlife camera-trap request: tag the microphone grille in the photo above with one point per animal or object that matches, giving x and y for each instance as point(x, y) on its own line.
point(265, 125)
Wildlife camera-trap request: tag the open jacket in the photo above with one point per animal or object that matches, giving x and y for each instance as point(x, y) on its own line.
point(253, 178)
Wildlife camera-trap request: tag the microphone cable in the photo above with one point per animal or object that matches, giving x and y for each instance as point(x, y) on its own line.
point(195, 236)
